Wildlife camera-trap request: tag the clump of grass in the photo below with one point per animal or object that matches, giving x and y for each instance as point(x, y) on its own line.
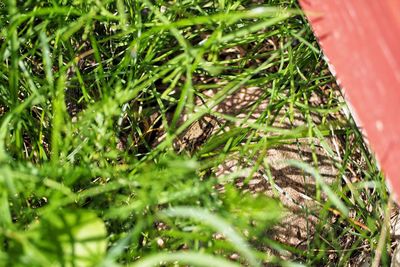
point(94, 96)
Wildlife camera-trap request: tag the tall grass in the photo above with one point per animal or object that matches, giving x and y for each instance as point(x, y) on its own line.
point(93, 98)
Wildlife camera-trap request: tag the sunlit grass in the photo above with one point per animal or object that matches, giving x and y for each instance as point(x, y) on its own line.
point(93, 98)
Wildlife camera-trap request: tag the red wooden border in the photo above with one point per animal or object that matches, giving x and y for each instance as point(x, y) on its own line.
point(361, 40)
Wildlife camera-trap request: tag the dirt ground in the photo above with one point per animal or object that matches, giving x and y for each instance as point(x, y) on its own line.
point(295, 189)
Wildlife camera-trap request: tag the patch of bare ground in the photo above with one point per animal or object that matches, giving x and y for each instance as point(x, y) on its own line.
point(273, 176)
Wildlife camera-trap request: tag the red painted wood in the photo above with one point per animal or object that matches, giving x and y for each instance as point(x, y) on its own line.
point(361, 40)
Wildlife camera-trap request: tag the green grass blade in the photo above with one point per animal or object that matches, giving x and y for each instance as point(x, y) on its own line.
point(191, 258)
point(218, 224)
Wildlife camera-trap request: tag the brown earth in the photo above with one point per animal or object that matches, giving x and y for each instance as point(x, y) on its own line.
point(295, 189)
